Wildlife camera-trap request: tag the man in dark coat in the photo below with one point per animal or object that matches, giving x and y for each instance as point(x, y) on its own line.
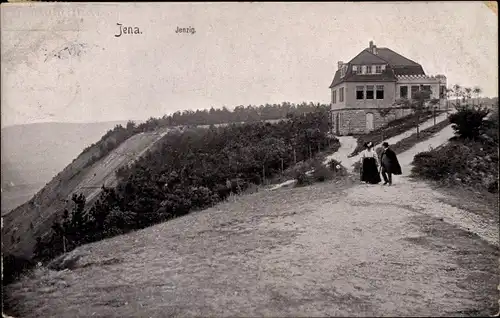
point(389, 164)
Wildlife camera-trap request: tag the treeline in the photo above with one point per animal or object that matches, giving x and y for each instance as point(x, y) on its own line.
point(248, 114)
point(239, 114)
point(190, 170)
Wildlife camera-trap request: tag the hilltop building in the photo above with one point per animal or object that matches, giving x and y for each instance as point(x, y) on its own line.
point(375, 79)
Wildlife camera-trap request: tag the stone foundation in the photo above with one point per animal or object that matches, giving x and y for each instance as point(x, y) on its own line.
point(359, 121)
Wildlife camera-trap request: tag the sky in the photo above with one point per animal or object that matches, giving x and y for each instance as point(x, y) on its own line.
point(61, 62)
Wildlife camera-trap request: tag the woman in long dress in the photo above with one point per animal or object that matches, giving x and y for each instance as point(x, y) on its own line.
point(369, 165)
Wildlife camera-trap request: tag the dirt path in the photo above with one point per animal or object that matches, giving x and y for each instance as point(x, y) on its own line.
point(348, 143)
point(331, 249)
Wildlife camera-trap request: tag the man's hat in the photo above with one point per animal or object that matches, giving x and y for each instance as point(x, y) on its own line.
point(385, 144)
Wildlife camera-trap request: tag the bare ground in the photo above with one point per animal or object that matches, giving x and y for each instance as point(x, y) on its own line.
point(330, 249)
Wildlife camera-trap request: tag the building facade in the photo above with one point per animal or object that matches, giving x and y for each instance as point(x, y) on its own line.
point(364, 90)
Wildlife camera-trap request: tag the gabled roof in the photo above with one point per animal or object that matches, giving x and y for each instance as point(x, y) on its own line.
point(386, 76)
point(366, 57)
point(393, 58)
point(396, 65)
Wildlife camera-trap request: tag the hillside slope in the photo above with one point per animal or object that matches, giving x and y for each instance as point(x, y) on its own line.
point(331, 249)
point(35, 217)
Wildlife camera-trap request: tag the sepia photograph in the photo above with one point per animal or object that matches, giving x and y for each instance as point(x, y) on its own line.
point(250, 159)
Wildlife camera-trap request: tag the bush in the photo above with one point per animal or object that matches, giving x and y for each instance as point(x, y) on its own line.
point(322, 173)
point(468, 122)
point(300, 173)
point(493, 187)
point(464, 162)
point(337, 168)
point(13, 267)
point(438, 165)
point(302, 178)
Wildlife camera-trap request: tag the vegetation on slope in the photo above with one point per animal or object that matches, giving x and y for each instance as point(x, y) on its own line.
point(471, 158)
point(113, 138)
point(190, 170)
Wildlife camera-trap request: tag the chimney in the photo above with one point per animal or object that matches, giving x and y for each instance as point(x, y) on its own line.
point(339, 64)
point(371, 45)
point(374, 49)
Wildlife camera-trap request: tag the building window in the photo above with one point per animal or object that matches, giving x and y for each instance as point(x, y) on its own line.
point(378, 69)
point(364, 69)
point(383, 68)
point(341, 94)
point(403, 92)
point(334, 96)
point(414, 90)
point(359, 70)
point(368, 69)
point(360, 94)
point(380, 91)
point(427, 88)
point(369, 92)
point(354, 68)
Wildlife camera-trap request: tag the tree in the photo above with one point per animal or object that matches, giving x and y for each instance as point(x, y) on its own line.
point(130, 125)
point(457, 90)
point(468, 122)
point(420, 102)
point(467, 95)
point(477, 91)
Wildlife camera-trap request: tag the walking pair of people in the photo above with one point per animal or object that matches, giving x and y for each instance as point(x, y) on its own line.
point(370, 163)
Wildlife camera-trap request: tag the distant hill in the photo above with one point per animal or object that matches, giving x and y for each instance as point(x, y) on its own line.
point(31, 155)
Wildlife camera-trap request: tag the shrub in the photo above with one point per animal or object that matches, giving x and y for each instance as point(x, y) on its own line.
point(441, 163)
point(461, 161)
point(322, 173)
point(491, 128)
point(13, 267)
point(493, 187)
point(337, 168)
point(300, 173)
point(302, 178)
point(468, 122)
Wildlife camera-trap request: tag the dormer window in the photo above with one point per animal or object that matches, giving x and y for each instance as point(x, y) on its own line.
point(354, 69)
point(343, 70)
point(364, 69)
point(368, 69)
point(359, 70)
point(378, 69)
